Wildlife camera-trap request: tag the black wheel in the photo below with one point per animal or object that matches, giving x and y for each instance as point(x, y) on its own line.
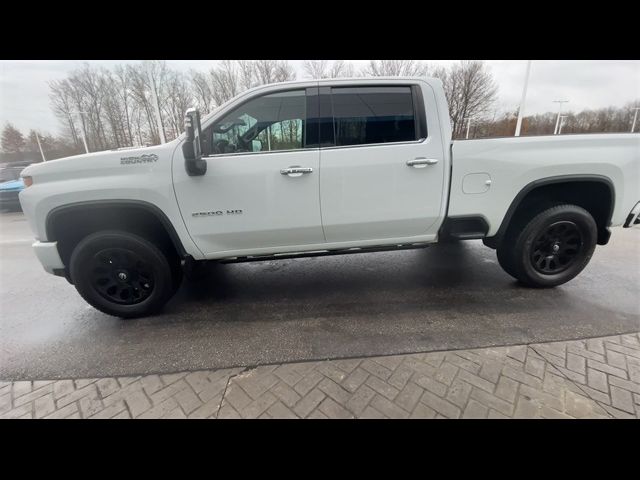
point(122, 274)
point(551, 248)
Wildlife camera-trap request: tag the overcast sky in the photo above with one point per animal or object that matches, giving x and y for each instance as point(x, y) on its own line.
point(24, 99)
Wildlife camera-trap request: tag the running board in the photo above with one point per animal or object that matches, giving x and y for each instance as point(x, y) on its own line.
point(323, 253)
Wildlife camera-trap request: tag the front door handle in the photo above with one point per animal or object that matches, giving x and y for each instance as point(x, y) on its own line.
point(296, 171)
point(422, 162)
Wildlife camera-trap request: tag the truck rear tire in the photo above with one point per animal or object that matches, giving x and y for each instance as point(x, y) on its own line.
point(549, 248)
point(122, 274)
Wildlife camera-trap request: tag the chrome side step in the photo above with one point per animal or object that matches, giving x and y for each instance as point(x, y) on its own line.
point(323, 253)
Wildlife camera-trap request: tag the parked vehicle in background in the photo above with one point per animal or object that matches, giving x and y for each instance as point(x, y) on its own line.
point(10, 187)
point(325, 167)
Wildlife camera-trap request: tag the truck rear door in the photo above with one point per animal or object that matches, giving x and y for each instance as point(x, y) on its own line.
point(382, 169)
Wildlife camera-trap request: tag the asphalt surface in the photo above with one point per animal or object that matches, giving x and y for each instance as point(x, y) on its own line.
point(450, 296)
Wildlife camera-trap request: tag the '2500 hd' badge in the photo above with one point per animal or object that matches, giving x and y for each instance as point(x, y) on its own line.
point(146, 158)
point(216, 213)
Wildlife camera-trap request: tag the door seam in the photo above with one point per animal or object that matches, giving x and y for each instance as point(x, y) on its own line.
point(324, 235)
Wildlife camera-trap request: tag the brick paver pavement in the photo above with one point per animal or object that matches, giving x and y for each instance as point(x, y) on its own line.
point(593, 378)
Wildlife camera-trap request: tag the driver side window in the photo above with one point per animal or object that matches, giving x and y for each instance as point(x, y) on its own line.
point(268, 123)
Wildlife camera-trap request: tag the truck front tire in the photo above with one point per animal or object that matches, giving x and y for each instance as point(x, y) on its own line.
point(549, 248)
point(122, 274)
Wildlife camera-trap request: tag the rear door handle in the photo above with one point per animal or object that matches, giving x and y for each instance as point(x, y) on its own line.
point(296, 171)
point(422, 162)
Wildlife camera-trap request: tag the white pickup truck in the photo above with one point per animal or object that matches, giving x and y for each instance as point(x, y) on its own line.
point(324, 168)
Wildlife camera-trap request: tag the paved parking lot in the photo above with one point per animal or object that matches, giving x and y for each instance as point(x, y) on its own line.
point(446, 297)
point(594, 378)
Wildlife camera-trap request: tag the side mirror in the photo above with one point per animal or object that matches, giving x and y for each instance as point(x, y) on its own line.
point(192, 149)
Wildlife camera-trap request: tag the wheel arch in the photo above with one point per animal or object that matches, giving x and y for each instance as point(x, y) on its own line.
point(578, 184)
point(126, 214)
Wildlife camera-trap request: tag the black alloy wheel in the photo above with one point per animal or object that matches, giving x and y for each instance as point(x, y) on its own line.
point(556, 248)
point(548, 247)
point(121, 276)
point(124, 274)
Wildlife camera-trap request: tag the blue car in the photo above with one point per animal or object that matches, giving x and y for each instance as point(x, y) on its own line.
point(10, 187)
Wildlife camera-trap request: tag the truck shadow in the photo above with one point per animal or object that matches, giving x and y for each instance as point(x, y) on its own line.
point(315, 279)
point(459, 281)
point(439, 267)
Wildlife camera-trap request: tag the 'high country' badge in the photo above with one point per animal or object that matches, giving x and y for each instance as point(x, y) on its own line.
point(146, 158)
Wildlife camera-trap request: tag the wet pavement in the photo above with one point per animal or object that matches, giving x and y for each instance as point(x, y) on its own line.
point(451, 296)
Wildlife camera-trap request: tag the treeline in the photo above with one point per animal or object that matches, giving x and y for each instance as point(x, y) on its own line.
point(603, 120)
point(17, 147)
point(114, 108)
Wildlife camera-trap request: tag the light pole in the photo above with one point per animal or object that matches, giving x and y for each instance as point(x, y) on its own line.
point(522, 100)
point(560, 102)
point(84, 135)
point(635, 117)
point(562, 117)
point(468, 119)
point(40, 147)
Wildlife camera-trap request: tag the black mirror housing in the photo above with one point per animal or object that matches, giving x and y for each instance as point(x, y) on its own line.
point(192, 148)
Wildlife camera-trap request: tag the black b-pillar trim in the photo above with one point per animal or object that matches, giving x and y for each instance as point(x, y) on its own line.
point(312, 134)
point(327, 136)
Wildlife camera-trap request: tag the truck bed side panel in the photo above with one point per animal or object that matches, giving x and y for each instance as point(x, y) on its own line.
point(510, 164)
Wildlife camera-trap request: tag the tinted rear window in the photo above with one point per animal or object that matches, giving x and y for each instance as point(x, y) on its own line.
point(364, 115)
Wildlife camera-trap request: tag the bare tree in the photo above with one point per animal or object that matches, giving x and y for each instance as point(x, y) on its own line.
point(324, 69)
point(62, 105)
point(340, 68)
point(124, 93)
point(89, 84)
point(316, 68)
point(115, 112)
point(232, 77)
point(247, 74)
point(201, 91)
point(138, 122)
point(69, 99)
point(178, 100)
point(157, 73)
point(147, 127)
point(270, 71)
point(284, 72)
point(395, 68)
point(470, 91)
point(224, 81)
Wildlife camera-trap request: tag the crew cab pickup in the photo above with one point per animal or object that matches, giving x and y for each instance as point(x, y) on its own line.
point(325, 167)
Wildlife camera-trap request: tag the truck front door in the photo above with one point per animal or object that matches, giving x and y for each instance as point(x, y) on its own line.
point(261, 188)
